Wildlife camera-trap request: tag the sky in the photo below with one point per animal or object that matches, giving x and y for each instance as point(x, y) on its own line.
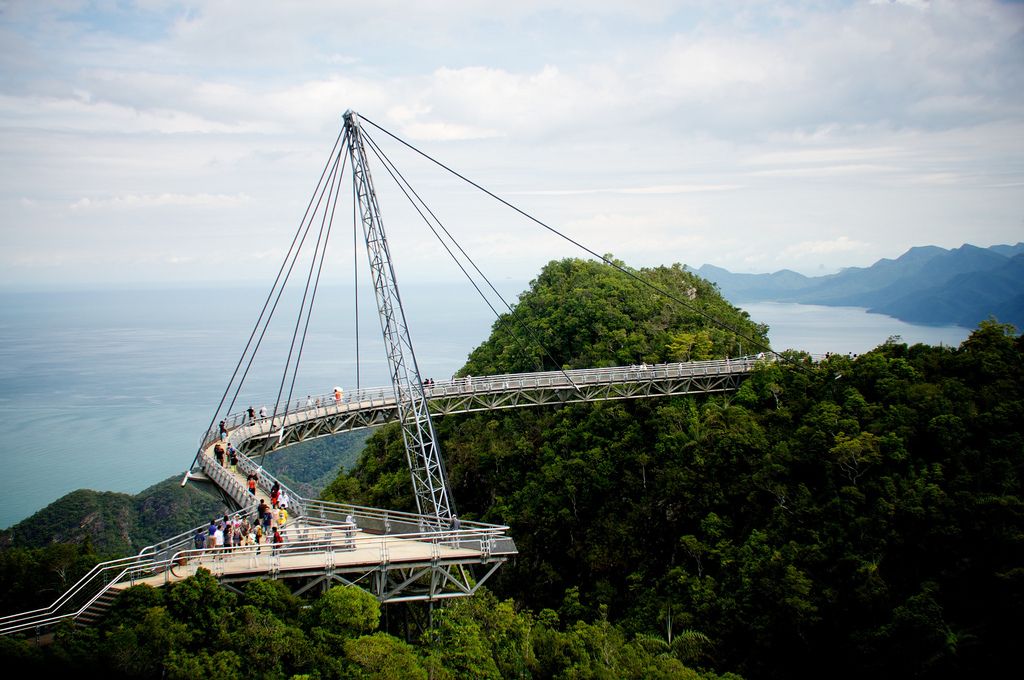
point(162, 143)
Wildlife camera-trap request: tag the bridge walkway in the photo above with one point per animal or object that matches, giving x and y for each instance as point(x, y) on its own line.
point(333, 413)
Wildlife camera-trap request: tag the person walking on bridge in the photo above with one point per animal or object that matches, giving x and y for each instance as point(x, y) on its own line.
point(277, 540)
point(199, 540)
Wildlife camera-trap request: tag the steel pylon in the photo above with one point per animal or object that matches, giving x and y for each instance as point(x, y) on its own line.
point(429, 478)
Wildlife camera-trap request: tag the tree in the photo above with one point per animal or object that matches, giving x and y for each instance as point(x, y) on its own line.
point(345, 610)
point(383, 657)
point(200, 601)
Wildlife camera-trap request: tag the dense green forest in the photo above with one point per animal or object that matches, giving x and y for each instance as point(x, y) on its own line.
point(309, 466)
point(198, 629)
point(832, 518)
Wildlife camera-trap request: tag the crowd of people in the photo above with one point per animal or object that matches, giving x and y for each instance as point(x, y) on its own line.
point(236, 532)
point(267, 526)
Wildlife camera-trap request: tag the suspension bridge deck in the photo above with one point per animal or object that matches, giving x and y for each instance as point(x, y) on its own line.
point(323, 415)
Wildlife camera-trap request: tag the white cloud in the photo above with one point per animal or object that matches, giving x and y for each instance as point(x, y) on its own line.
point(660, 129)
point(135, 201)
point(654, 189)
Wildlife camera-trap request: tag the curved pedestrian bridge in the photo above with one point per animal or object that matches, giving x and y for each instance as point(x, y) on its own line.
point(396, 556)
point(332, 413)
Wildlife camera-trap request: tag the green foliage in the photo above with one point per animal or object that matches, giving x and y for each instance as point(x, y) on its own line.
point(310, 466)
point(343, 609)
point(833, 518)
point(33, 577)
point(585, 313)
point(272, 596)
point(200, 601)
point(115, 524)
point(383, 657)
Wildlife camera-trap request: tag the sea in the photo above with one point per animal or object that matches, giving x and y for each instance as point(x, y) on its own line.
point(113, 389)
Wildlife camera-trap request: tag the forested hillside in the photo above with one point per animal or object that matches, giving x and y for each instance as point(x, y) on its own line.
point(830, 519)
point(838, 519)
point(115, 524)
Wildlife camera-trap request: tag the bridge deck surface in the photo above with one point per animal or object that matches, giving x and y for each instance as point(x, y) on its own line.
point(365, 550)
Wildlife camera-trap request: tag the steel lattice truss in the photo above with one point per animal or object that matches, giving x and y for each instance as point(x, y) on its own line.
point(429, 480)
point(370, 408)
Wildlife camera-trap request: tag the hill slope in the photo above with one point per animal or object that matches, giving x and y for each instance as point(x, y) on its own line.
point(837, 519)
point(113, 523)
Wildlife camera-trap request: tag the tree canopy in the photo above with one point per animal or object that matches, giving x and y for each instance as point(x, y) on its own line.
point(845, 515)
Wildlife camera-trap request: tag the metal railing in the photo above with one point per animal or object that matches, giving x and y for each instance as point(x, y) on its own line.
point(391, 525)
point(313, 406)
point(84, 592)
point(320, 526)
point(322, 537)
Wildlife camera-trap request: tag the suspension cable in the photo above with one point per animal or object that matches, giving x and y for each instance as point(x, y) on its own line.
point(753, 341)
point(342, 134)
point(329, 190)
point(393, 170)
point(316, 282)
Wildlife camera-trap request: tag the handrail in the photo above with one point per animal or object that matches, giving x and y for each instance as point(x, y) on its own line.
point(385, 521)
point(374, 396)
point(326, 538)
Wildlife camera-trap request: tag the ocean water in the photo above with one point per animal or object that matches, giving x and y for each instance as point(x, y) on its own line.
point(112, 389)
point(843, 330)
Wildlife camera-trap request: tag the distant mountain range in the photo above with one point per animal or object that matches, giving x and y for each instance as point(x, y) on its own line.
point(925, 285)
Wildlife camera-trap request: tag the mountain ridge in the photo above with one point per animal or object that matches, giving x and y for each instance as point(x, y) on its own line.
point(925, 285)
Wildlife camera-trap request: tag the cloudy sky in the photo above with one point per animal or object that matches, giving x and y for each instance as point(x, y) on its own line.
point(162, 142)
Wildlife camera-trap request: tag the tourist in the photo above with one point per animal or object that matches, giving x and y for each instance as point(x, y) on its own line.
point(282, 498)
point(275, 492)
point(200, 538)
point(277, 540)
point(223, 429)
point(211, 532)
point(218, 452)
point(282, 516)
point(263, 412)
point(266, 519)
point(252, 415)
point(252, 484)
